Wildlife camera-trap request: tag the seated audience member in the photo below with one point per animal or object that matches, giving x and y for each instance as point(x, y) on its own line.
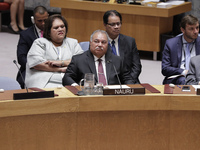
point(89, 61)
point(122, 45)
point(48, 58)
point(27, 37)
point(193, 75)
point(178, 51)
point(16, 15)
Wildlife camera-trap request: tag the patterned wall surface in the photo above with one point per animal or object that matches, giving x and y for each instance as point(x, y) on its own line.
point(31, 4)
point(195, 8)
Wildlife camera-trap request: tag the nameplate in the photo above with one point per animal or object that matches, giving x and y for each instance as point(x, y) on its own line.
point(33, 95)
point(198, 91)
point(124, 91)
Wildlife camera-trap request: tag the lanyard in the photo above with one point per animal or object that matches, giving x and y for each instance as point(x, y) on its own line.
point(59, 52)
point(190, 49)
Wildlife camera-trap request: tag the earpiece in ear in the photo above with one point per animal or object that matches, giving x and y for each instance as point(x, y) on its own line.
point(32, 19)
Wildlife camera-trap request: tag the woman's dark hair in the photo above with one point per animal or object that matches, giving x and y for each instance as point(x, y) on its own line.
point(111, 13)
point(49, 23)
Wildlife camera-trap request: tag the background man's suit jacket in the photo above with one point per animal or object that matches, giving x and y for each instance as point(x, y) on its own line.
point(172, 55)
point(193, 76)
point(130, 56)
point(26, 40)
point(84, 63)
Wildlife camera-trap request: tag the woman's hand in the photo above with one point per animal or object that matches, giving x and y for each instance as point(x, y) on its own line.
point(55, 63)
point(59, 63)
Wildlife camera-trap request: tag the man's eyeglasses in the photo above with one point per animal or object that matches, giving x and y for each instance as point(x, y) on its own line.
point(114, 24)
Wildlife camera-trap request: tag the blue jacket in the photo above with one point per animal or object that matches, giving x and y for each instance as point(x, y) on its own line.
point(172, 55)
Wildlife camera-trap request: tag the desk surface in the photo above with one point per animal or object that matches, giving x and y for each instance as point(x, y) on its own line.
point(122, 8)
point(68, 102)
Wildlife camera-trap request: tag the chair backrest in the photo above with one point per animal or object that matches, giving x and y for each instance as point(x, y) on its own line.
point(4, 6)
point(85, 45)
point(7, 83)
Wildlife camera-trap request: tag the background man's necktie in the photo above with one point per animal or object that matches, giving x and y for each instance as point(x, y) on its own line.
point(187, 56)
point(41, 33)
point(113, 47)
point(101, 75)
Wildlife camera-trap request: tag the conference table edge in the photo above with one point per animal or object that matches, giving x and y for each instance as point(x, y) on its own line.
point(163, 102)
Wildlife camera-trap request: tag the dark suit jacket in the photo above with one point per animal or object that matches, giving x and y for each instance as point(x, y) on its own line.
point(25, 42)
point(172, 55)
point(130, 56)
point(193, 76)
point(84, 63)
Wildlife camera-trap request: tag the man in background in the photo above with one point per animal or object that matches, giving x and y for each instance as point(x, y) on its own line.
point(122, 45)
point(178, 51)
point(27, 37)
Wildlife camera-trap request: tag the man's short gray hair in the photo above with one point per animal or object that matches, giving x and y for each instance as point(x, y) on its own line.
point(101, 31)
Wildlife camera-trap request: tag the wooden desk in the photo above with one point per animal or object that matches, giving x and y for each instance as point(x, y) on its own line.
point(147, 122)
point(145, 24)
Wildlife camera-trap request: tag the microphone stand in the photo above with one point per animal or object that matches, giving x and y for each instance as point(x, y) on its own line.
point(31, 95)
point(117, 77)
point(15, 62)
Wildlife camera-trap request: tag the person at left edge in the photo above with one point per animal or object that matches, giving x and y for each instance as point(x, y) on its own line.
point(88, 63)
point(16, 15)
point(27, 37)
point(48, 58)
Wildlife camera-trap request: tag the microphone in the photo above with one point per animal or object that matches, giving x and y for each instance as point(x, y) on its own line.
point(122, 91)
point(117, 77)
point(110, 61)
point(15, 62)
point(31, 95)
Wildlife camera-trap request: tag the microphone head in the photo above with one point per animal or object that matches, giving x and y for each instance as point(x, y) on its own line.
point(14, 61)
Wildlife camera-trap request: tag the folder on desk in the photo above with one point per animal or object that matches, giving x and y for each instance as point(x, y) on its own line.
point(178, 89)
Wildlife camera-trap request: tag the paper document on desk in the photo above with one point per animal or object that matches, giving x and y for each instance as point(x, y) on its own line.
point(164, 5)
point(116, 86)
point(196, 87)
point(174, 76)
point(145, 1)
point(175, 2)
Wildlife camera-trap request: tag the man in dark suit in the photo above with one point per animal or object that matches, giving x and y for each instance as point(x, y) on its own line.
point(178, 51)
point(27, 37)
point(88, 62)
point(123, 46)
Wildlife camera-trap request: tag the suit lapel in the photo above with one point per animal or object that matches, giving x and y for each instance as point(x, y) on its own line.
point(91, 64)
point(197, 45)
point(179, 51)
point(108, 63)
point(121, 46)
point(35, 32)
